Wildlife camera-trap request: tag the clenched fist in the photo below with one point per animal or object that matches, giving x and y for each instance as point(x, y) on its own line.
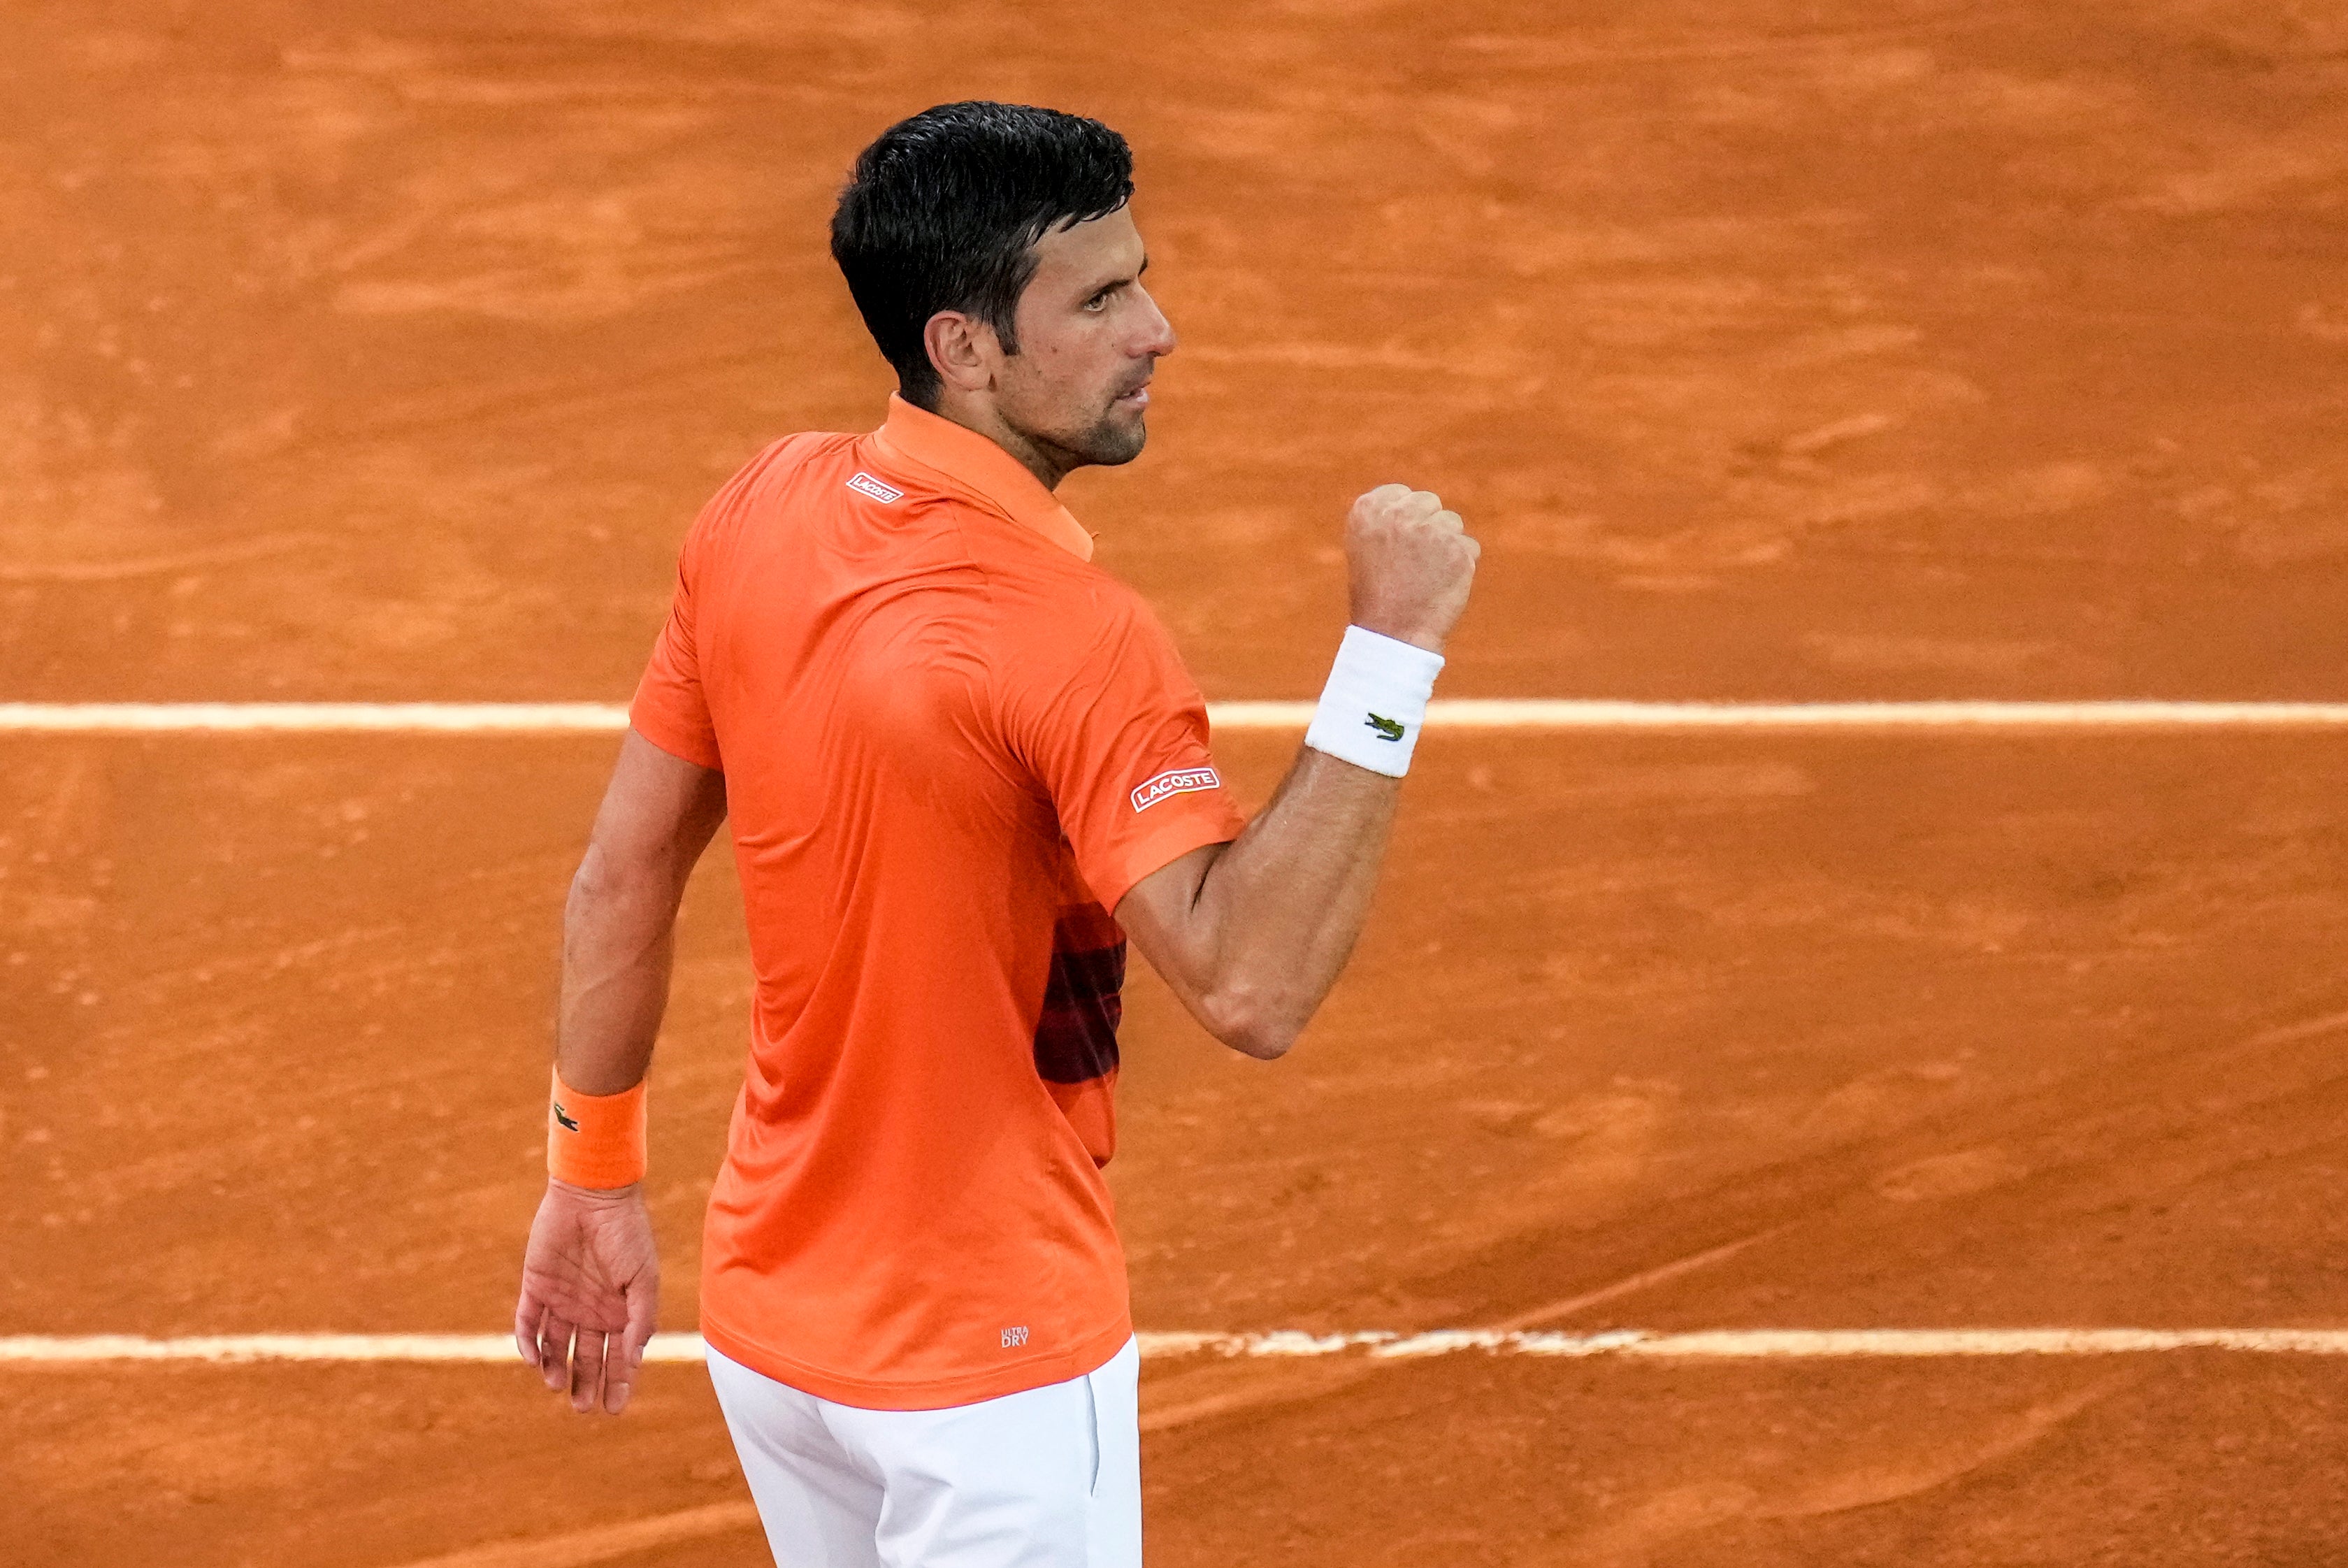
point(1411, 563)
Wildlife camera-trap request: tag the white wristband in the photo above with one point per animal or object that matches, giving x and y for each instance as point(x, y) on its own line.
point(1374, 703)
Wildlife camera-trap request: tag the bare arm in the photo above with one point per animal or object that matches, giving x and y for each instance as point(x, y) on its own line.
point(590, 1276)
point(1252, 934)
point(618, 927)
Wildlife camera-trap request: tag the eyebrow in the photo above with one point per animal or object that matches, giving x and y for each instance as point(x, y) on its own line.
point(1116, 283)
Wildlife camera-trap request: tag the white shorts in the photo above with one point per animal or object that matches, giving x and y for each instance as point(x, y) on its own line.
point(1049, 1478)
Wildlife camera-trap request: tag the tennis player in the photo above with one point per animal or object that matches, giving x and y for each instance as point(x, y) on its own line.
point(962, 764)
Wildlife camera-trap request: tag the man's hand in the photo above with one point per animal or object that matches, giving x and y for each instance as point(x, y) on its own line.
point(1411, 563)
point(592, 1270)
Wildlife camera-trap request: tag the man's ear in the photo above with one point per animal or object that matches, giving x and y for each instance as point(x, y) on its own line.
point(963, 350)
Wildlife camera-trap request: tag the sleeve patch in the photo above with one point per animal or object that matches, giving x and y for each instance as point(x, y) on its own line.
point(1174, 781)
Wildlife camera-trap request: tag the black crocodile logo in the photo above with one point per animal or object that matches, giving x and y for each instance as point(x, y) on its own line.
point(567, 1124)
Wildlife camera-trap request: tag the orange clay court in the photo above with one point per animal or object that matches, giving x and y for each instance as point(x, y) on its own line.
point(1776, 352)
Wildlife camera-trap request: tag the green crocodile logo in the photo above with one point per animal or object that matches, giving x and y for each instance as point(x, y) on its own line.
point(1386, 727)
point(567, 1125)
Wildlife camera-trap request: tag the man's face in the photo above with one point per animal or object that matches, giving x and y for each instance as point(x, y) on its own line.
point(1089, 335)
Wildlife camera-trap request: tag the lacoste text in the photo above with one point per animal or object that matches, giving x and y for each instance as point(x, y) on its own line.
point(863, 483)
point(1176, 781)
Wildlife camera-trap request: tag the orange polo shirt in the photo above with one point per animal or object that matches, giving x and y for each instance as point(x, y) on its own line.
point(951, 745)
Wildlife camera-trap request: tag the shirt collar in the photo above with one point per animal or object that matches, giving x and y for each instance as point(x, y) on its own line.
point(976, 464)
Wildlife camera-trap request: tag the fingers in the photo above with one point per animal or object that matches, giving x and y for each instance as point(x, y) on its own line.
point(554, 1351)
point(591, 1369)
point(627, 1352)
point(1400, 503)
point(619, 1375)
point(527, 1311)
point(587, 1370)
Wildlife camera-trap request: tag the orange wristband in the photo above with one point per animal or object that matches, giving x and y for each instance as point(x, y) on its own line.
point(595, 1140)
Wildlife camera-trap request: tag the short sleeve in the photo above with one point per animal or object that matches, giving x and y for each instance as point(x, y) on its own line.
point(670, 709)
point(1121, 748)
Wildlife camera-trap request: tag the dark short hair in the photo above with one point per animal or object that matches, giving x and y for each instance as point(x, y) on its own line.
point(942, 213)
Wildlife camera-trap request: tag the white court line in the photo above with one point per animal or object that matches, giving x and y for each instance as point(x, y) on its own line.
point(1709, 1344)
point(312, 717)
point(1460, 713)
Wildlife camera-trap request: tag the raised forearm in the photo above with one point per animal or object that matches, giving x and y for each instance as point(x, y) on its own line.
point(1252, 934)
point(1287, 900)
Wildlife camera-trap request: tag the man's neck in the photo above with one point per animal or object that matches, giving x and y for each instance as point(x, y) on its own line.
point(1048, 463)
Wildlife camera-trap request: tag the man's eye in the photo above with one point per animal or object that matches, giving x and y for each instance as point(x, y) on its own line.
point(1097, 301)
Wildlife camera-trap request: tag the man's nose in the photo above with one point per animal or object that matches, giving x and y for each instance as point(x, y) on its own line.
point(1157, 338)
